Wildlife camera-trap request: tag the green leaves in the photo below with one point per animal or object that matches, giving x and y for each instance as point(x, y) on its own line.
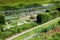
point(17, 29)
point(2, 19)
point(43, 17)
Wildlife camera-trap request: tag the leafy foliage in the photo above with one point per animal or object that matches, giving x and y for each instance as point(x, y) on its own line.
point(55, 14)
point(2, 19)
point(17, 29)
point(43, 17)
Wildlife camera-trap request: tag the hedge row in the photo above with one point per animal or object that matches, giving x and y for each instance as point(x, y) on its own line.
point(44, 17)
point(51, 27)
point(55, 14)
point(18, 29)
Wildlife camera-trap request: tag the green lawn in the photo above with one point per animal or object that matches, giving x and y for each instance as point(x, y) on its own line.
point(22, 37)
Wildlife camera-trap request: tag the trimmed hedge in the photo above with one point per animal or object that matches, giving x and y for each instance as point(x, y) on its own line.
point(43, 17)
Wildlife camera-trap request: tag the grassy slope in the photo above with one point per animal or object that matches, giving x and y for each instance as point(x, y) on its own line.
point(13, 2)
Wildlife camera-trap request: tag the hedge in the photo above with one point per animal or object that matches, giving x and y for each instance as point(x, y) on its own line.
point(55, 14)
point(44, 17)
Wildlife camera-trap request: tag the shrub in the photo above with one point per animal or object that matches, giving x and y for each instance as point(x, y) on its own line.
point(59, 22)
point(55, 14)
point(47, 10)
point(2, 19)
point(58, 9)
point(43, 17)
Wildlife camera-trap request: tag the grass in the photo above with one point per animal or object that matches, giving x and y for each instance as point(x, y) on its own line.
point(15, 2)
point(22, 37)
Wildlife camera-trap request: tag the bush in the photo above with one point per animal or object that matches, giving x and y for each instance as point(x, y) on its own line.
point(47, 10)
point(43, 17)
point(55, 14)
point(59, 22)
